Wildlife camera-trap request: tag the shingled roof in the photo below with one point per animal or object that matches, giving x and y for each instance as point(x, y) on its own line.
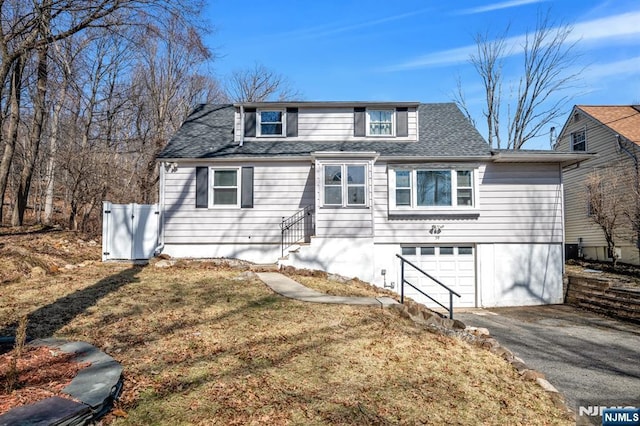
point(208, 133)
point(622, 119)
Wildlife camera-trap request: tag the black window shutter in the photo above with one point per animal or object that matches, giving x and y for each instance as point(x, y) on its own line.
point(250, 122)
point(402, 122)
point(292, 122)
point(202, 187)
point(359, 122)
point(246, 197)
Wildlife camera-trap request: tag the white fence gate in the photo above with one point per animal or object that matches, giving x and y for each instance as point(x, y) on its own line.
point(129, 231)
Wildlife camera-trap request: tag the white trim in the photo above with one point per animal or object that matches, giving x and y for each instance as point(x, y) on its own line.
point(283, 113)
point(346, 104)
point(454, 208)
point(345, 154)
point(211, 188)
point(571, 143)
point(344, 185)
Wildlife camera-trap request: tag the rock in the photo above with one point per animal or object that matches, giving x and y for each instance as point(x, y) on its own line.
point(37, 271)
point(478, 331)
point(489, 343)
point(532, 375)
point(246, 275)
point(164, 264)
point(92, 243)
point(69, 267)
point(338, 278)
point(163, 256)
point(86, 263)
point(502, 352)
point(458, 325)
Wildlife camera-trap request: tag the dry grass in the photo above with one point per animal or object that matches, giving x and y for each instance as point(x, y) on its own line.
point(200, 346)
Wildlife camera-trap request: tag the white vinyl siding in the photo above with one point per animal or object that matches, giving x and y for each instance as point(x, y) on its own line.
point(517, 202)
point(280, 189)
point(334, 124)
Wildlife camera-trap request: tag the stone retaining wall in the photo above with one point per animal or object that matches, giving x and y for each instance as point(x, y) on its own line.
point(603, 296)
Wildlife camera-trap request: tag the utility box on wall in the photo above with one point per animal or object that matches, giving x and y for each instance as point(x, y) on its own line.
point(129, 231)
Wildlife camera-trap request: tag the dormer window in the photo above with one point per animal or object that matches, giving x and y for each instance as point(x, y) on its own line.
point(380, 122)
point(271, 123)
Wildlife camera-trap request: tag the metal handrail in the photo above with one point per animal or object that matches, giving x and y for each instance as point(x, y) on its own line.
point(296, 227)
point(403, 282)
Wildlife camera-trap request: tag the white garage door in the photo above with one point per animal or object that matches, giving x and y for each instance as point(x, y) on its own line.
point(454, 266)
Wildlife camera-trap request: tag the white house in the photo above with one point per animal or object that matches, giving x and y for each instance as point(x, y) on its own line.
point(354, 184)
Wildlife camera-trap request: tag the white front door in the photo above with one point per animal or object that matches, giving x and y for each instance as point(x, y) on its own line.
point(453, 266)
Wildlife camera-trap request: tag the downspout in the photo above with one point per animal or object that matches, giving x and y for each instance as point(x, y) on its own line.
point(160, 246)
point(241, 125)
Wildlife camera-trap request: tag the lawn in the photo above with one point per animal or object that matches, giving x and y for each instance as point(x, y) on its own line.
point(206, 344)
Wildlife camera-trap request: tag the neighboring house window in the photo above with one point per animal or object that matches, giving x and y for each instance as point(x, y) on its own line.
point(579, 141)
point(433, 188)
point(380, 122)
point(344, 192)
point(271, 123)
point(225, 187)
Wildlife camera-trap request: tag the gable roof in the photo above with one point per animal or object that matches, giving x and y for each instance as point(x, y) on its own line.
point(621, 119)
point(444, 132)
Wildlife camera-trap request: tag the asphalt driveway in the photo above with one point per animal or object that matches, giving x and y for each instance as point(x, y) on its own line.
point(589, 358)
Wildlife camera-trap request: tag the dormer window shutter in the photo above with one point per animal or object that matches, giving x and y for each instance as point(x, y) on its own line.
point(402, 122)
point(250, 122)
point(202, 187)
point(359, 122)
point(246, 196)
point(292, 122)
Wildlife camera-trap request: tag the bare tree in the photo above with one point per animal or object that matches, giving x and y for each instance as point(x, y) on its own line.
point(165, 88)
point(258, 84)
point(538, 95)
point(27, 30)
point(605, 199)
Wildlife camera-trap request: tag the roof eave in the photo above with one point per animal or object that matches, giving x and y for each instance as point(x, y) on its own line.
point(564, 158)
point(325, 104)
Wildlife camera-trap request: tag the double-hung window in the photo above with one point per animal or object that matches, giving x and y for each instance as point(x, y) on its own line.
point(579, 141)
point(271, 123)
point(225, 187)
point(344, 185)
point(417, 188)
point(380, 122)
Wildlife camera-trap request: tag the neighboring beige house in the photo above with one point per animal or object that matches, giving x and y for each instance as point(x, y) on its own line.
point(613, 133)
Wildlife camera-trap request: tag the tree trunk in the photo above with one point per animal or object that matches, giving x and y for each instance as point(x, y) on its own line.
point(12, 132)
point(31, 154)
point(51, 163)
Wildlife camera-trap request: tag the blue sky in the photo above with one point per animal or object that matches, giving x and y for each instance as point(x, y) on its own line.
point(415, 50)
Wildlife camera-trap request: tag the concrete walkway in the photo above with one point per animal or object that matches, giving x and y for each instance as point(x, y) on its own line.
point(287, 287)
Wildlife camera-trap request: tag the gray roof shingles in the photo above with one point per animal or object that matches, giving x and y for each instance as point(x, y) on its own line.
point(208, 133)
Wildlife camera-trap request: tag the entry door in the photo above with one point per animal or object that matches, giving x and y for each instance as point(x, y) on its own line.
point(454, 266)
